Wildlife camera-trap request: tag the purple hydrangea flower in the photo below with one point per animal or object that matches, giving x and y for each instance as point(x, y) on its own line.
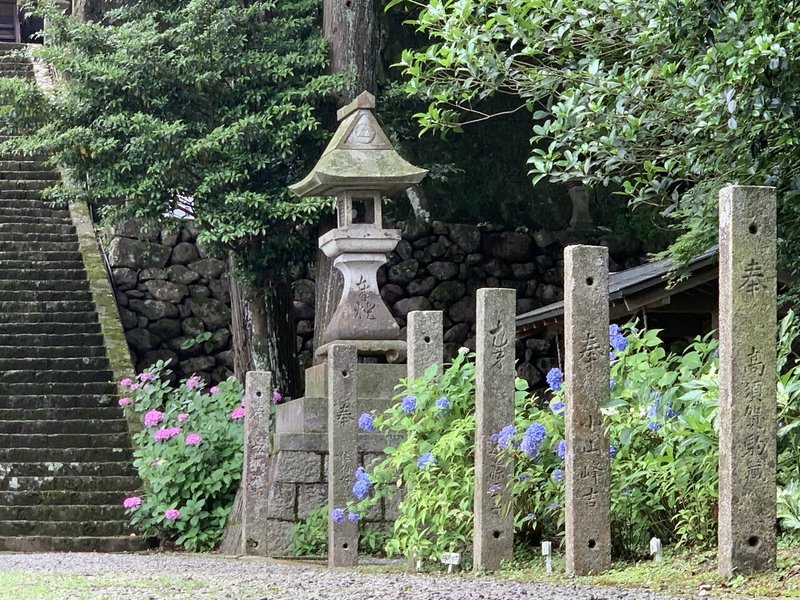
point(672, 413)
point(653, 426)
point(494, 489)
point(337, 515)
point(556, 406)
point(361, 488)
point(353, 517)
point(409, 404)
point(443, 403)
point(558, 474)
point(616, 338)
point(532, 438)
point(561, 449)
point(523, 477)
point(503, 437)
point(366, 423)
point(612, 451)
point(555, 378)
point(424, 461)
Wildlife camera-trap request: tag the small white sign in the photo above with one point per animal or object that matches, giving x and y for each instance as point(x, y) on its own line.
point(451, 558)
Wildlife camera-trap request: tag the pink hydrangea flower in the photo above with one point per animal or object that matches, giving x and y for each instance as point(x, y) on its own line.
point(193, 382)
point(146, 376)
point(153, 417)
point(277, 396)
point(172, 514)
point(182, 417)
point(134, 387)
point(193, 439)
point(237, 413)
point(124, 401)
point(166, 433)
point(214, 389)
point(132, 502)
point(126, 382)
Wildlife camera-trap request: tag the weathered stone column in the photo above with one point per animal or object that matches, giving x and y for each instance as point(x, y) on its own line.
point(258, 399)
point(586, 348)
point(342, 452)
point(425, 344)
point(748, 379)
point(493, 539)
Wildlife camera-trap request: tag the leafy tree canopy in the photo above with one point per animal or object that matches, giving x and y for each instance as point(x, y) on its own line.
point(665, 100)
point(166, 100)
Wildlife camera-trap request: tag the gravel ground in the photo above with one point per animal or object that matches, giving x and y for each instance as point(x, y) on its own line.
point(178, 576)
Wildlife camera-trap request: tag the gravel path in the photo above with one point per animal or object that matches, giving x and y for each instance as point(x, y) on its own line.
point(179, 576)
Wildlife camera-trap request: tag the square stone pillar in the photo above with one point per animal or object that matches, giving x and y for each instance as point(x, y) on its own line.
point(586, 348)
point(748, 380)
point(258, 400)
point(425, 341)
point(493, 539)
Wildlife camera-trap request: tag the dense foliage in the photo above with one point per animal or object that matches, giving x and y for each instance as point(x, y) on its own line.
point(188, 455)
point(661, 420)
point(666, 101)
point(206, 106)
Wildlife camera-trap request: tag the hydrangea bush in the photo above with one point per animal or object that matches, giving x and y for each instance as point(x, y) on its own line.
point(188, 455)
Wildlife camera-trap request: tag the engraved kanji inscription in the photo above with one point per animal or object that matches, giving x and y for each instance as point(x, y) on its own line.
point(499, 343)
point(590, 349)
point(752, 278)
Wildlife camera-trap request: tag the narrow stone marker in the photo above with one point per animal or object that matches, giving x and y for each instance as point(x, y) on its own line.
point(493, 539)
point(588, 530)
point(258, 400)
point(342, 454)
point(748, 379)
point(424, 341)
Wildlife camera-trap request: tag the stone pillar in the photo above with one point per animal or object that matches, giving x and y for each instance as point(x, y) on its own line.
point(342, 452)
point(586, 348)
point(493, 539)
point(424, 341)
point(748, 380)
point(258, 400)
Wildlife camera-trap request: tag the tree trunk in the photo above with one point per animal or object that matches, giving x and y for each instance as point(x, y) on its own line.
point(264, 337)
point(88, 10)
point(329, 285)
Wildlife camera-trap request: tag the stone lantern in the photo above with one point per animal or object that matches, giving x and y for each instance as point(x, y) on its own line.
point(358, 167)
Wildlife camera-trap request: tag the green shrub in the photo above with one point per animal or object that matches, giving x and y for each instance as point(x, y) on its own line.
point(310, 536)
point(188, 456)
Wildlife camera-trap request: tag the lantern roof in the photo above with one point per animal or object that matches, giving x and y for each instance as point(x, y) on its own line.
point(360, 157)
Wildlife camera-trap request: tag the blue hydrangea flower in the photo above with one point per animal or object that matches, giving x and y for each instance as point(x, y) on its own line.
point(611, 383)
point(366, 423)
point(409, 404)
point(612, 356)
point(443, 403)
point(558, 474)
point(337, 515)
point(426, 460)
point(561, 449)
point(555, 378)
point(494, 489)
point(653, 426)
point(556, 406)
point(552, 506)
point(672, 413)
point(523, 477)
point(616, 338)
point(533, 437)
point(353, 517)
point(612, 451)
point(503, 437)
point(361, 473)
point(528, 517)
point(361, 488)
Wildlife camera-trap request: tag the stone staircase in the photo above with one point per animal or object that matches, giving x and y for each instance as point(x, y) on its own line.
point(65, 450)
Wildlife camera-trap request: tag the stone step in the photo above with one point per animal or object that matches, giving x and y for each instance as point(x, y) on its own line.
point(50, 271)
point(44, 306)
point(53, 224)
point(65, 528)
point(7, 213)
point(20, 194)
point(51, 352)
point(42, 256)
point(24, 184)
point(48, 328)
point(54, 364)
point(12, 236)
point(61, 413)
point(73, 427)
point(88, 316)
point(25, 166)
point(69, 285)
point(50, 341)
point(60, 401)
point(70, 469)
point(76, 544)
point(29, 203)
point(23, 71)
point(45, 296)
point(64, 245)
point(64, 455)
point(56, 377)
point(84, 483)
point(56, 387)
point(64, 512)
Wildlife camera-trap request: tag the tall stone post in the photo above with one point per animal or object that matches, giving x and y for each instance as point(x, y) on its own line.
point(258, 400)
point(425, 343)
point(748, 380)
point(586, 348)
point(342, 452)
point(493, 540)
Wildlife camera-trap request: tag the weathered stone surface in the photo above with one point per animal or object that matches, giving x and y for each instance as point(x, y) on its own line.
point(299, 467)
point(139, 339)
point(304, 291)
point(588, 531)
point(192, 326)
point(197, 364)
point(467, 237)
point(523, 270)
point(181, 274)
point(421, 287)
point(154, 309)
point(747, 373)
point(279, 538)
point(463, 311)
point(210, 268)
point(414, 229)
point(391, 293)
point(443, 270)
point(166, 329)
point(219, 340)
point(509, 246)
point(225, 358)
point(281, 500)
point(152, 273)
point(199, 291)
point(403, 250)
point(448, 292)
point(213, 312)
point(310, 497)
point(220, 289)
point(256, 531)
point(342, 451)
point(124, 278)
point(406, 305)
point(169, 237)
point(153, 356)
point(493, 540)
point(403, 272)
point(125, 252)
point(166, 290)
point(138, 229)
point(457, 333)
point(183, 254)
point(424, 342)
point(128, 318)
